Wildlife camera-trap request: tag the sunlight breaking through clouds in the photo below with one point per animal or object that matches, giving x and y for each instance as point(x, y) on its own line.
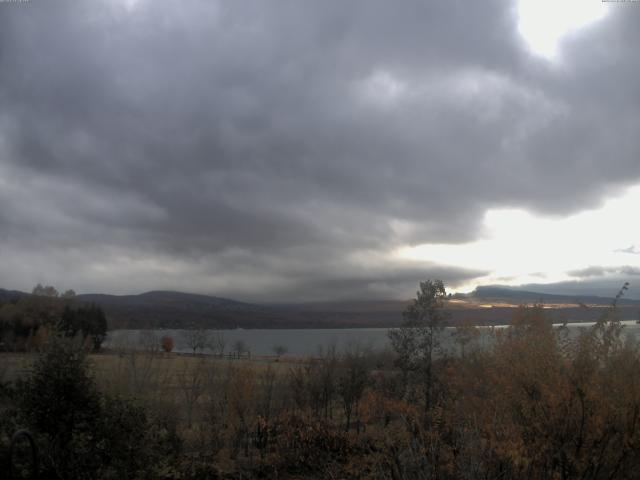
point(544, 23)
point(517, 245)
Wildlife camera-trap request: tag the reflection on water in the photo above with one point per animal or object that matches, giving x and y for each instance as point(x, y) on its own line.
point(303, 342)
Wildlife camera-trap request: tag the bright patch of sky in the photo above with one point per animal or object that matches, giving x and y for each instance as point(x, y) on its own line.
point(544, 23)
point(518, 245)
point(383, 88)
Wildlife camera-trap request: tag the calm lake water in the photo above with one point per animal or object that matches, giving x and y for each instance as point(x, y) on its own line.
point(303, 341)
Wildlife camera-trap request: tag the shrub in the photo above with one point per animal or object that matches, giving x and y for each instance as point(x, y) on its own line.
point(167, 344)
point(82, 433)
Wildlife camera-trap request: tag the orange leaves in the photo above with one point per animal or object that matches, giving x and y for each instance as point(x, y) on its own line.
point(376, 407)
point(167, 344)
point(305, 443)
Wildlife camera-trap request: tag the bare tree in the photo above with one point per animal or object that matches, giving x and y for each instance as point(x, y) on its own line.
point(352, 382)
point(149, 342)
point(315, 383)
point(192, 382)
point(139, 371)
point(216, 403)
point(266, 383)
point(217, 343)
point(465, 335)
point(196, 339)
point(242, 405)
point(239, 348)
point(279, 350)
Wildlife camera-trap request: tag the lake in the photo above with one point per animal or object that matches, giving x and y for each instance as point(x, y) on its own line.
point(303, 342)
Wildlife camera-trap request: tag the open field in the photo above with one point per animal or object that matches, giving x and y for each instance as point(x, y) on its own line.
point(16, 365)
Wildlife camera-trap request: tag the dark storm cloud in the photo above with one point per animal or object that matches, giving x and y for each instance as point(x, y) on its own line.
point(247, 146)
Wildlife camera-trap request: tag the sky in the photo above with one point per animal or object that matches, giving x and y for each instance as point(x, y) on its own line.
point(301, 150)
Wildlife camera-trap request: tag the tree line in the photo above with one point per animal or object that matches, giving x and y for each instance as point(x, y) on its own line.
point(27, 322)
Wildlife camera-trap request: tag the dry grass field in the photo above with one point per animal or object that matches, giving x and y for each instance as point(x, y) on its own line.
point(190, 392)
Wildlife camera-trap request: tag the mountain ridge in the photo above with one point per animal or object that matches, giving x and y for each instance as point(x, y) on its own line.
point(487, 305)
point(499, 291)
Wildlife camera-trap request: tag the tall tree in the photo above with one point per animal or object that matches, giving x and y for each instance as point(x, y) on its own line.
point(416, 341)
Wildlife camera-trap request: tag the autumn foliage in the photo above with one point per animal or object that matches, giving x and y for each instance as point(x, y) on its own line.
point(166, 343)
point(530, 400)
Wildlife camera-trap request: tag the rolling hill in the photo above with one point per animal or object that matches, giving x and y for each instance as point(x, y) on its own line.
point(489, 305)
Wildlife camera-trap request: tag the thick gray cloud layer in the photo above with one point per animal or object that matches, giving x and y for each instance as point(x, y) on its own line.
point(283, 150)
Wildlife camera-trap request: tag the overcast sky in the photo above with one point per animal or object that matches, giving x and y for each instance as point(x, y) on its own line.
point(307, 150)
